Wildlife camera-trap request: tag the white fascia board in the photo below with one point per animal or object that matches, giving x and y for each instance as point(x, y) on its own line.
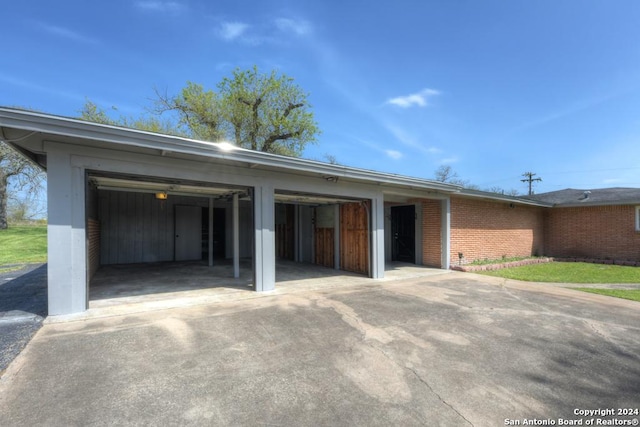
point(63, 126)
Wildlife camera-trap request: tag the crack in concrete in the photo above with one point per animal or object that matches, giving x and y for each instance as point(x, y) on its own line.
point(438, 396)
point(392, 360)
point(343, 310)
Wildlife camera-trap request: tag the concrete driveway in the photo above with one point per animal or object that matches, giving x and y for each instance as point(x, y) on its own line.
point(453, 349)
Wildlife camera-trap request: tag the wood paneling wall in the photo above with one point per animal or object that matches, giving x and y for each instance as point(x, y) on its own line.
point(324, 249)
point(354, 237)
point(324, 235)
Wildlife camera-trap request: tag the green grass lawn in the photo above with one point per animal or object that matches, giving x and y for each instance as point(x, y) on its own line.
point(632, 294)
point(23, 244)
point(570, 272)
point(577, 272)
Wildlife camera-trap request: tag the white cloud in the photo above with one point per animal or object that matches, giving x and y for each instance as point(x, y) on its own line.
point(160, 6)
point(448, 160)
point(419, 99)
point(298, 27)
point(402, 136)
point(66, 33)
point(395, 155)
point(232, 30)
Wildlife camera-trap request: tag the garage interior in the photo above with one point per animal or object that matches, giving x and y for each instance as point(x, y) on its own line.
point(155, 236)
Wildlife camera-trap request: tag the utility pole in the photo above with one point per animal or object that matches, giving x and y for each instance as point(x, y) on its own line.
point(529, 177)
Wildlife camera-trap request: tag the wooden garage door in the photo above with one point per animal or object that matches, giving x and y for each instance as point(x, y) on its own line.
point(354, 237)
point(324, 236)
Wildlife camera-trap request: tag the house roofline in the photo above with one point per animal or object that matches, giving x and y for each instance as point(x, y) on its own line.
point(596, 204)
point(502, 197)
point(69, 127)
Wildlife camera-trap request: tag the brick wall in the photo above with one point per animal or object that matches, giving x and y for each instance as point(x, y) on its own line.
point(431, 233)
point(93, 238)
point(483, 229)
point(605, 232)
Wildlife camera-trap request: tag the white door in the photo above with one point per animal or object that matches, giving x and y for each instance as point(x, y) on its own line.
point(188, 233)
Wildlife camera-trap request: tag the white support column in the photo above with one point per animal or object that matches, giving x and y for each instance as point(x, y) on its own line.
point(210, 231)
point(66, 236)
point(336, 237)
point(264, 242)
point(377, 237)
point(236, 236)
point(446, 233)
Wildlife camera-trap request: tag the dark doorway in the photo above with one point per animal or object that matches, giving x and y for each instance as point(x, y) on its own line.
point(219, 233)
point(285, 231)
point(403, 233)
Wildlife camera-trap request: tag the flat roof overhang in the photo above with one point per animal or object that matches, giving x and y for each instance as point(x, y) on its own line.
point(27, 131)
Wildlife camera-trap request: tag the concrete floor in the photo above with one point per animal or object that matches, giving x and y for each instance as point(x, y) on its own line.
point(132, 288)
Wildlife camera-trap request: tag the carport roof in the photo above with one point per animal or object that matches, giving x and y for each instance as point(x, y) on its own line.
point(19, 126)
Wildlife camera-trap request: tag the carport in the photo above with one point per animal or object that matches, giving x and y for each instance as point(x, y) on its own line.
point(134, 288)
point(120, 196)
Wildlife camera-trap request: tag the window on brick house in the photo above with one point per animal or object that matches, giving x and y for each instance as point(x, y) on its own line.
point(637, 218)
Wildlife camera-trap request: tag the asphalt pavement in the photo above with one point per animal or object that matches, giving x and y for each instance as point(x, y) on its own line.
point(23, 307)
point(450, 350)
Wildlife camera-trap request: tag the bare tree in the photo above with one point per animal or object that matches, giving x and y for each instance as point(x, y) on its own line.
point(500, 190)
point(17, 174)
point(445, 173)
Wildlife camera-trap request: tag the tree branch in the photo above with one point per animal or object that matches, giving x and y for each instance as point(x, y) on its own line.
point(266, 147)
point(290, 108)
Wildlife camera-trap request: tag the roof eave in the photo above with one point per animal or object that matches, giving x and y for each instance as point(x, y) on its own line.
point(594, 204)
point(503, 198)
point(64, 126)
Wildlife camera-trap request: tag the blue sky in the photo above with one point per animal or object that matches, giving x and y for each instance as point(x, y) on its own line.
point(491, 88)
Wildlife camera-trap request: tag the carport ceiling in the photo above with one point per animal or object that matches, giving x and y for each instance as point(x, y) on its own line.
point(169, 187)
point(310, 199)
point(154, 185)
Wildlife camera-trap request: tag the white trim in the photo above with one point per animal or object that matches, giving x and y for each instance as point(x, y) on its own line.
point(637, 218)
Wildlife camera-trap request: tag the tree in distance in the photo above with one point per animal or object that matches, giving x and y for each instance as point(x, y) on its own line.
point(445, 173)
point(17, 173)
point(262, 112)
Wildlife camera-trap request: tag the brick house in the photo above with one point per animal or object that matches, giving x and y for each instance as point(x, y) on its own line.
point(123, 196)
point(486, 226)
point(600, 223)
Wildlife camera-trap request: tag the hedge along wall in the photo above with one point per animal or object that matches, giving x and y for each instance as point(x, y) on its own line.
point(483, 229)
point(603, 232)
